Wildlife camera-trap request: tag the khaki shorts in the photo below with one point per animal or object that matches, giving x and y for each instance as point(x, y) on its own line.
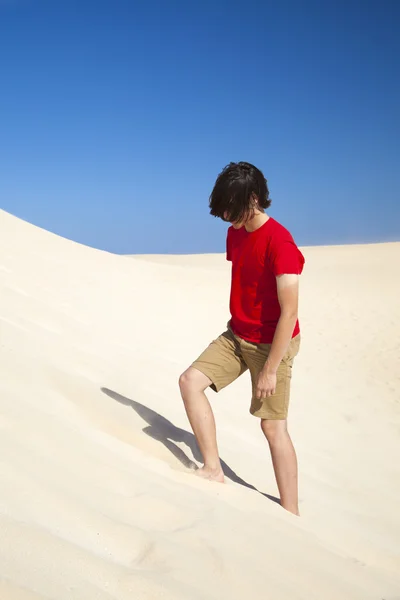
point(229, 356)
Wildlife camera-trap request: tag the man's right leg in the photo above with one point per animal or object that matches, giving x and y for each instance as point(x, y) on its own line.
point(218, 366)
point(193, 384)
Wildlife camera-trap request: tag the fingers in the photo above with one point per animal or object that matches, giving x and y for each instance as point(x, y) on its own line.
point(260, 394)
point(263, 394)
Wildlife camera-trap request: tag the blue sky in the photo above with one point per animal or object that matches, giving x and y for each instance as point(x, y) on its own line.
point(116, 117)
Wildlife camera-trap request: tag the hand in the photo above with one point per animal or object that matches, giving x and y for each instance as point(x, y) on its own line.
point(266, 385)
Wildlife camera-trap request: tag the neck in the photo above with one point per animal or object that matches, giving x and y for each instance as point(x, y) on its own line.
point(257, 221)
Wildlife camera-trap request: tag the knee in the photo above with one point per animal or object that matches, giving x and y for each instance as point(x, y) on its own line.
point(184, 381)
point(273, 429)
point(191, 381)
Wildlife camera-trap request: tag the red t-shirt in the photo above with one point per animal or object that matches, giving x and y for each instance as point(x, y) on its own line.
point(257, 258)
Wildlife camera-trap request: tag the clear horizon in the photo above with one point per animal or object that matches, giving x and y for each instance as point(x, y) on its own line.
point(116, 119)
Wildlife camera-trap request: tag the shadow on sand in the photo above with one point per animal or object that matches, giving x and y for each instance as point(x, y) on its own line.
point(162, 430)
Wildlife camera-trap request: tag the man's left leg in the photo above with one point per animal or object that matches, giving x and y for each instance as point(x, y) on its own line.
point(273, 412)
point(284, 461)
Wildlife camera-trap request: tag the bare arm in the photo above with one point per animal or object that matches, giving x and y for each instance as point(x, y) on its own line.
point(288, 296)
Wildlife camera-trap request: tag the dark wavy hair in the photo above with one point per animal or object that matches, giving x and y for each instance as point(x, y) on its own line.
point(235, 190)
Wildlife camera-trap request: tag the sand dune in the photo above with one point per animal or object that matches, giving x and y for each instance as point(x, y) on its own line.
point(98, 500)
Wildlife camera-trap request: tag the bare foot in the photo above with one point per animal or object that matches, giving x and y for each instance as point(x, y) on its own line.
point(211, 474)
point(292, 509)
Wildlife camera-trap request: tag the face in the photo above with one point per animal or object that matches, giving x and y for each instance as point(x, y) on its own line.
point(240, 224)
point(235, 224)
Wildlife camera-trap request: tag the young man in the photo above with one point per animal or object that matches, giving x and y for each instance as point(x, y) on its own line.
point(263, 334)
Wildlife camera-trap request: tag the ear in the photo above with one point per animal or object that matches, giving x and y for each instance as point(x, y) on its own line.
point(254, 200)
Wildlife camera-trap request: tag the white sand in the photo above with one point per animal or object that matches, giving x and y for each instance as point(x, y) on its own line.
point(96, 501)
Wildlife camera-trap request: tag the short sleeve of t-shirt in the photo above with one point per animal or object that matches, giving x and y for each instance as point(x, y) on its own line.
point(286, 258)
point(228, 247)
